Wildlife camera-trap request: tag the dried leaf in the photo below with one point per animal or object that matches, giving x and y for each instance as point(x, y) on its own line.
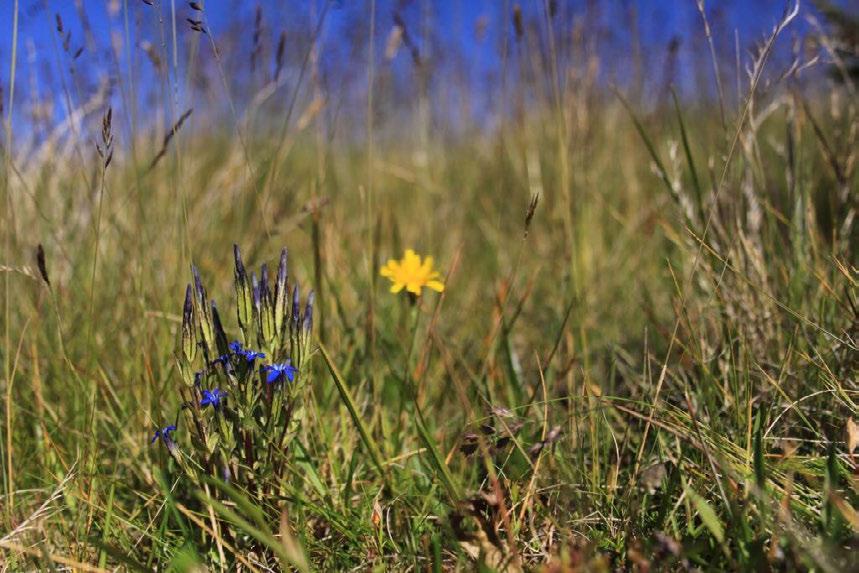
point(310, 112)
point(852, 436)
point(651, 477)
point(376, 517)
point(393, 43)
point(469, 444)
point(291, 546)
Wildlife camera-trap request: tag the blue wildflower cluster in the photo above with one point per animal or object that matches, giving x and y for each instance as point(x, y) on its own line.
point(241, 400)
point(250, 356)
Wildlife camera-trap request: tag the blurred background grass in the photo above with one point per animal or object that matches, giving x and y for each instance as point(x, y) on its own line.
point(675, 329)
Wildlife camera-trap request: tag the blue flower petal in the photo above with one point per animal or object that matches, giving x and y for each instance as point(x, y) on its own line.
point(163, 434)
point(277, 372)
point(251, 355)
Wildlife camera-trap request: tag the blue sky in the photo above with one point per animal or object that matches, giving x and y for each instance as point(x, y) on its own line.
point(473, 59)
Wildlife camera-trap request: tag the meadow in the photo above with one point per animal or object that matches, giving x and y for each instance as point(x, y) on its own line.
point(640, 352)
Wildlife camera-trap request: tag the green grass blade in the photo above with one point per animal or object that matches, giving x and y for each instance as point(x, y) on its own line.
point(687, 150)
point(263, 535)
point(369, 443)
point(648, 143)
point(435, 456)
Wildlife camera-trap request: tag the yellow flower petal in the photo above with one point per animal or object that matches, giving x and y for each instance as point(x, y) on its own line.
point(411, 261)
point(413, 273)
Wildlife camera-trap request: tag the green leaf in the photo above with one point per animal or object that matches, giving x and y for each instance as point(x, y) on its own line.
point(281, 291)
point(244, 296)
point(708, 515)
point(189, 335)
point(760, 468)
point(212, 442)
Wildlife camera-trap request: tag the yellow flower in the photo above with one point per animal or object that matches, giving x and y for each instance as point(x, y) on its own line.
point(410, 274)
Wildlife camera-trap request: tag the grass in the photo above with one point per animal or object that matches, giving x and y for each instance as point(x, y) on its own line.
point(644, 356)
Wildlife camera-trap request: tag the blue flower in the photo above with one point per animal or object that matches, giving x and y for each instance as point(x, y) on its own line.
point(164, 435)
point(213, 398)
point(279, 372)
point(251, 355)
